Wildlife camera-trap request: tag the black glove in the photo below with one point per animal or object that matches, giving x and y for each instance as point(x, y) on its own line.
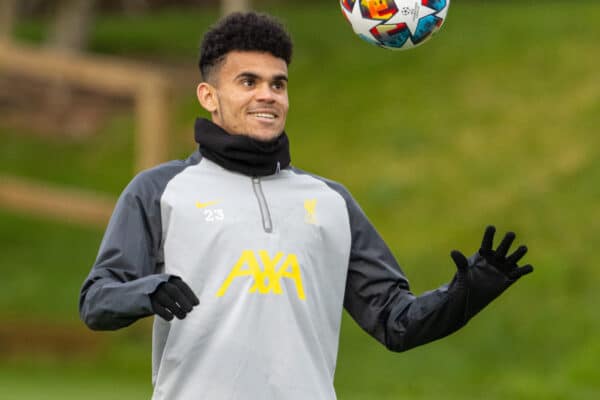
point(173, 298)
point(486, 274)
point(498, 259)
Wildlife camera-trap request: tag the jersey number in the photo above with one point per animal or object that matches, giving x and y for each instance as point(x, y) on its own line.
point(212, 215)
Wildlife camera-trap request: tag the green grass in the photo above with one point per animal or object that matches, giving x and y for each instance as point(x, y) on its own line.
point(45, 264)
point(494, 121)
point(103, 162)
point(122, 372)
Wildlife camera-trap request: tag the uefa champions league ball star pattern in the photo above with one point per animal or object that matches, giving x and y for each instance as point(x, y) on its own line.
point(395, 24)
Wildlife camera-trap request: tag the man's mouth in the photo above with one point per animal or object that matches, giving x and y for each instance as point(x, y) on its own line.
point(265, 115)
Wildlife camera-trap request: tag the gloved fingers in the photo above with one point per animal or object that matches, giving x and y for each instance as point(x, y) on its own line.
point(488, 240)
point(162, 297)
point(505, 244)
point(462, 264)
point(186, 290)
point(526, 269)
point(179, 298)
point(516, 256)
point(519, 272)
point(161, 311)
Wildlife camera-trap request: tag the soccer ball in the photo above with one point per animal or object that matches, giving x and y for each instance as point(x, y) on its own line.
point(395, 24)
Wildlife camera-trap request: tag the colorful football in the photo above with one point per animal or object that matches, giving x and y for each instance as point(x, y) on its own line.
point(395, 24)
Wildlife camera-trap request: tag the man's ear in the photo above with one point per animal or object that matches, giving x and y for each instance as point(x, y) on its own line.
point(207, 97)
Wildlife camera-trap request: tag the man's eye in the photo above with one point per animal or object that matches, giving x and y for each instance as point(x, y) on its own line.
point(248, 82)
point(278, 85)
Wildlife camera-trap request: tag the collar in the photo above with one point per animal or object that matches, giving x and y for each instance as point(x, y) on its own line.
point(241, 153)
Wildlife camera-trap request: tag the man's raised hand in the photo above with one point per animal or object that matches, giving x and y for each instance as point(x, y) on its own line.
point(497, 258)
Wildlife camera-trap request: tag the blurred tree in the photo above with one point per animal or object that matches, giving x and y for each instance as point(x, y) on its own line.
point(70, 32)
point(71, 28)
point(8, 14)
point(229, 6)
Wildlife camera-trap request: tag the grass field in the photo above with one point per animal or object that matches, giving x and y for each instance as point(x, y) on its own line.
point(494, 121)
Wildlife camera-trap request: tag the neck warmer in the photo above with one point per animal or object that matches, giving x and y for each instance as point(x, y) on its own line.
point(241, 153)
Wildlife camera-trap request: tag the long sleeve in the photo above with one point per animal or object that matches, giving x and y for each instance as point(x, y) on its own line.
point(378, 295)
point(116, 292)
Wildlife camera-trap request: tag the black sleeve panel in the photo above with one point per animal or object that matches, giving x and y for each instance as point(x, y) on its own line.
point(129, 263)
point(379, 299)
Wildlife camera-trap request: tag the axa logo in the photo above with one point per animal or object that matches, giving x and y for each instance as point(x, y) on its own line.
point(267, 279)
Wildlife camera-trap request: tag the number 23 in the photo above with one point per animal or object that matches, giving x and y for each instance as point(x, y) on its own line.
point(212, 215)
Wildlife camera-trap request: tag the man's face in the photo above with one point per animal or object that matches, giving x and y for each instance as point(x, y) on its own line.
point(247, 94)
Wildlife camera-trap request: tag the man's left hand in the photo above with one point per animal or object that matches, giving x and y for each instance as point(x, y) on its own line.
point(497, 258)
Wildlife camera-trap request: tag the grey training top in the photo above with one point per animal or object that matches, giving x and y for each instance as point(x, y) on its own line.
point(272, 260)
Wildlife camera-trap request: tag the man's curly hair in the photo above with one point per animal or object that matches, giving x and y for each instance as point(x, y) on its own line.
point(243, 32)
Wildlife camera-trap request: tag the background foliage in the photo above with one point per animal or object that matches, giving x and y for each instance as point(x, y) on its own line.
point(494, 121)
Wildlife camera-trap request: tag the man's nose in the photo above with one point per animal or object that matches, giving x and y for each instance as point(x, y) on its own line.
point(264, 92)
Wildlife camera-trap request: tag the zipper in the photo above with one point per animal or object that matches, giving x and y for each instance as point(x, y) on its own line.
point(262, 204)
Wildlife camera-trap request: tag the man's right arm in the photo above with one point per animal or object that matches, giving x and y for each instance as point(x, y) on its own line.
point(117, 291)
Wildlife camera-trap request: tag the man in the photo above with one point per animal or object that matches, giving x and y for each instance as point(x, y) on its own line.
point(256, 258)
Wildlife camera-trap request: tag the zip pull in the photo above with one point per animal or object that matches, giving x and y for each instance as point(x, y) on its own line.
point(262, 204)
